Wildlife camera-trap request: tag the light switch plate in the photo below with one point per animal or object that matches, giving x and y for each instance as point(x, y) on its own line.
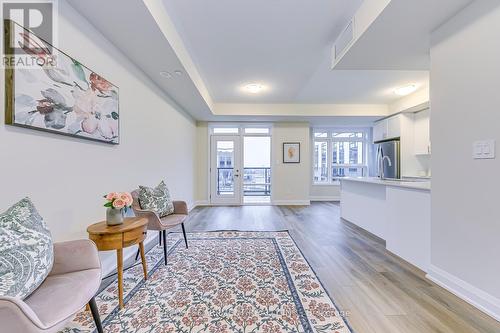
point(484, 149)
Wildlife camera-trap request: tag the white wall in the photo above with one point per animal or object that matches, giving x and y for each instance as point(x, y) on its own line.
point(330, 192)
point(291, 182)
point(202, 163)
point(465, 71)
point(66, 177)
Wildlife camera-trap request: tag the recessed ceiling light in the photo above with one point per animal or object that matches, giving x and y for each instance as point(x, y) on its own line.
point(254, 88)
point(166, 74)
point(406, 90)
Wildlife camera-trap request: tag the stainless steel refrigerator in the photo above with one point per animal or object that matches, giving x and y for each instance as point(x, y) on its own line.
point(389, 158)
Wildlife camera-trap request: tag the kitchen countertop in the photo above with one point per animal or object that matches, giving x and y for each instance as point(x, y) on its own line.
point(411, 184)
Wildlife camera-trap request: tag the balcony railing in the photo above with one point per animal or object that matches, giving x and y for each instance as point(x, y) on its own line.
point(256, 181)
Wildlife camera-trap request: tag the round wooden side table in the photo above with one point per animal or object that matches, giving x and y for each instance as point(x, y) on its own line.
point(132, 231)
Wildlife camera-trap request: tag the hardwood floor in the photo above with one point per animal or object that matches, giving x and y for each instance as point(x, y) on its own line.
point(379, 292)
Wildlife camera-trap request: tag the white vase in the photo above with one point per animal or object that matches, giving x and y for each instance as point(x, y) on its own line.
point(114, 216)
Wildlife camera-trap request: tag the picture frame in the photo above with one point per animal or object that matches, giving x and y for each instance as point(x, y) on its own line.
point(64, 97)
point(291, 152)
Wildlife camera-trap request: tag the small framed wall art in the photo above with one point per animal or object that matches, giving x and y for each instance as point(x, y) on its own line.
point(291, 152)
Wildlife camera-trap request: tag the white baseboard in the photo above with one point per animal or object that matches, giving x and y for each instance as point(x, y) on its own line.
point(325, 198)
point(199, 203)
point(274, 202)
point(472, 295)
point(291, 202)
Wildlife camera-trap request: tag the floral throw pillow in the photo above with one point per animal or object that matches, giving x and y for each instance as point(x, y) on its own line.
point(156, 199)
point(26, 250)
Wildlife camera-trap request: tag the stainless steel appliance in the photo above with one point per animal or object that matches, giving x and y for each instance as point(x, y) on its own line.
point(388, 159)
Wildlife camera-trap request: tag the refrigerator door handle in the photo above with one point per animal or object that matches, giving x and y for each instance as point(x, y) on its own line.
point(379, 158)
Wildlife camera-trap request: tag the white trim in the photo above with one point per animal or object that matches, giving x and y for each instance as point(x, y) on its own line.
point(478, 298)
point(335, 184)
point(206, 203)
point(241, 128)
point(291, 202)
point(241, 134)
point(324, 198)
point(330, 140)
point(209, 169)
point(237, 164)
point(223, 204)
point(257, 204)
point(199, 203)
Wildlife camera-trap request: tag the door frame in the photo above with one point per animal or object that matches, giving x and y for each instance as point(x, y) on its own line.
point(241, 133)
point(237, 197)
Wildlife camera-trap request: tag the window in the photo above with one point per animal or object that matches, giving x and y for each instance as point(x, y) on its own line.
point(236, 129)
point(257, 130)
point(321, 134)
point(320, 161)
point(339, 153)
point(226, 130)
point(225, 156)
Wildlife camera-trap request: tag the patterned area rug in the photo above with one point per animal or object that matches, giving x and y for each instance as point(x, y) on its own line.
point(225, 282)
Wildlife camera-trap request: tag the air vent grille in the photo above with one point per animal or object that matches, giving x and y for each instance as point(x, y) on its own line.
point(343, 41)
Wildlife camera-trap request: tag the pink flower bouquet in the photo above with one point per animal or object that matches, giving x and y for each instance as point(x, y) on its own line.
point(118, 200)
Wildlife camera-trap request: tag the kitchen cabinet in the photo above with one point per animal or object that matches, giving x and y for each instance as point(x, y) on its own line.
point(422, 142)
point(408, 225)
point(394, 126)
point(413, 131)
point(388, 128)
point(397, 212)
point(380, 130)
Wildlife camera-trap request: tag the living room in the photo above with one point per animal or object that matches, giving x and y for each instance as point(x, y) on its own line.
point(185, 166)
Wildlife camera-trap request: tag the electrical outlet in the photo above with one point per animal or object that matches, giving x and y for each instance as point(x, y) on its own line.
point(484, 149)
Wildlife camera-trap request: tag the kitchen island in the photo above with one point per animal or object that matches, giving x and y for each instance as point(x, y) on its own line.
point(395, 211)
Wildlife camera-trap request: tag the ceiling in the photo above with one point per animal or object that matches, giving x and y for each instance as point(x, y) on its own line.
point(145, 45)
point(357, 86)
point(399, 38)
point(284, 44)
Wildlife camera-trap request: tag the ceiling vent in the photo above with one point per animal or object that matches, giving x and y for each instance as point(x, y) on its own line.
point(343, 42)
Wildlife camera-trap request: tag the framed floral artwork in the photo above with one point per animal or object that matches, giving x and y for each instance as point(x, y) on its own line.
point(291, 152)
point(56, 93)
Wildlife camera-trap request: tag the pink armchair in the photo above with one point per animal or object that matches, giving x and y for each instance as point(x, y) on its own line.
point(72, 283)
point(164, 223)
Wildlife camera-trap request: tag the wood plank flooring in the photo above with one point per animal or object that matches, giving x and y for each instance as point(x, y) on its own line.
point(379, 292)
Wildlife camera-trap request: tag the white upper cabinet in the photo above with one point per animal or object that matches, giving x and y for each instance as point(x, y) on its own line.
point(422, 142)
point(380, 130)
point(394, 126)
point(388, 128)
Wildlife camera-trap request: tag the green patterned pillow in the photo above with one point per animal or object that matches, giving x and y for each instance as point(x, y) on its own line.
point(156, 199)
point(26, 250)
